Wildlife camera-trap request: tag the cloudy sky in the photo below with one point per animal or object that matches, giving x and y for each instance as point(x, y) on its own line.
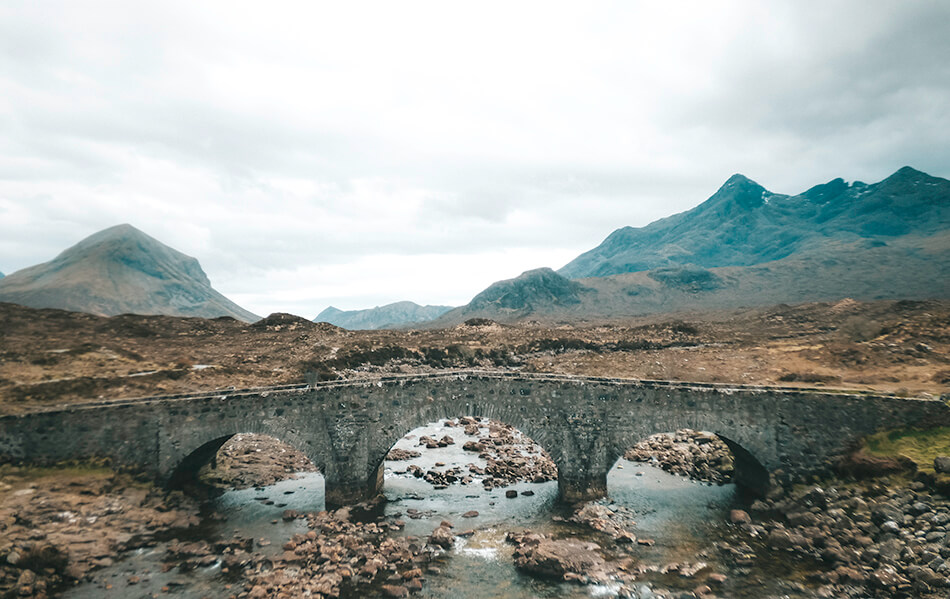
point(356, 153)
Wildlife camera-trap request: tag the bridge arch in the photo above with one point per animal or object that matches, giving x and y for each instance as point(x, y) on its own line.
point(189, 475)
point(186, 472)
point(187, 447)
point(452, 464)
point(507, 408)
point(748, 472)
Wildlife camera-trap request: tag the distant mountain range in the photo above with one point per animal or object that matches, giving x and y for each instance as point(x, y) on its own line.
point(744, 246)
point(744, 224)
point(120, 270)
point(381, 317)
point(747, 246)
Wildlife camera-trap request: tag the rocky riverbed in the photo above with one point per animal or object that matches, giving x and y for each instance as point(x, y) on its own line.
point(887, 536)
point(505, 455)
point(254, 461)
point(882, 538)
point(59, 524)
point(699, 455)
point(340, 551)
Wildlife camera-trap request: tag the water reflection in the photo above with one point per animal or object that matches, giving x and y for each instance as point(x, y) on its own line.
point(681, 515)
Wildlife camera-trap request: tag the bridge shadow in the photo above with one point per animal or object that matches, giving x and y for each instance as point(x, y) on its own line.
point(749, 474)
point(238, 461)
point(701, 456)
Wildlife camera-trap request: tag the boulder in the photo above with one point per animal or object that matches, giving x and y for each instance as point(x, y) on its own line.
point(559, 558)
point(442, 537)
point(780, 539)
point(396, 591)
point(739, 517)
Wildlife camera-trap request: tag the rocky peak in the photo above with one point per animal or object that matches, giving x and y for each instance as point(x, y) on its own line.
point(740, 191)
point(824, 193)
point(381, 317)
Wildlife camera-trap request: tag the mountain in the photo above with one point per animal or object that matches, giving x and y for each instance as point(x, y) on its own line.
point(120, 270)
point(744, 224)
point(2, 275)
point(747, 246)
point(381, 317)
point(539, 290)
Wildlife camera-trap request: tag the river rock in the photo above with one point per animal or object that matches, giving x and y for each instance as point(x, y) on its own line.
point(612, 520)
point(25, 582)
point(698, 455)
point(397, 454)
point(559, 558)
point(442, 536)
point(780, 539)
point(257, 592)
point(474, 446)
point(739, 517)
point(396, 591)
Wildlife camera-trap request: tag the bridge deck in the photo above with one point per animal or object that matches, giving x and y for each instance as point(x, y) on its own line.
point(235, 393)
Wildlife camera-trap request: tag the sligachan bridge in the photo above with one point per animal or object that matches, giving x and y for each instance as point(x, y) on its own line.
point(347, 427)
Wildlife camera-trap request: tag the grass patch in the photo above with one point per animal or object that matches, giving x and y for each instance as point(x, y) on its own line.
point(922, 446)
point(69, 469)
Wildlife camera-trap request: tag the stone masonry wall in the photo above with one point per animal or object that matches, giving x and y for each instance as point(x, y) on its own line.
point(347, 428)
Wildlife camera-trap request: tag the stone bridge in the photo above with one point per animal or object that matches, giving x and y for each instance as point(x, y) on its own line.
point(346, 428)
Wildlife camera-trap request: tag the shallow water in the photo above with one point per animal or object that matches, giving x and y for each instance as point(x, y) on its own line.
point(685, 518)
point(254, 513)
point(257, 513)
point(404, 491)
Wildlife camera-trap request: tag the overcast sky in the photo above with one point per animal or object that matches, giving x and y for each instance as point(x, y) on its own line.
point(356, 154)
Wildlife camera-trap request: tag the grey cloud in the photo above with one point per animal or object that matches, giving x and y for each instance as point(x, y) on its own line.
point(862, 85)
point(254, 144)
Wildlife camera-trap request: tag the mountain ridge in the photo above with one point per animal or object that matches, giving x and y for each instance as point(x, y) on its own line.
point(743, 224)
point(746, 246)
point(391, 315)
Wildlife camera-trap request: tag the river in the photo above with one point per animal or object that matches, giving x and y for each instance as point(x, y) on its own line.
point(685, 519)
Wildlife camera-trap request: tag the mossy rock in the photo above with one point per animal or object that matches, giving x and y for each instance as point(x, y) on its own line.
point(941, 483)
point(910, 445)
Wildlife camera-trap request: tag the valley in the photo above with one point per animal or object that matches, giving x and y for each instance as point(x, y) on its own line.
point(462, 516)
point(602, 300)
point(52, 357)
point(767, 297)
